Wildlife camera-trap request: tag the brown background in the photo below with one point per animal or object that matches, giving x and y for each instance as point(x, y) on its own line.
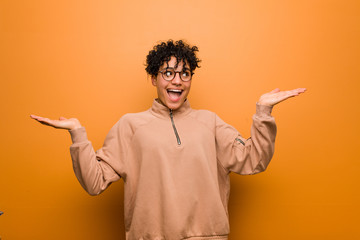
point(85, 59)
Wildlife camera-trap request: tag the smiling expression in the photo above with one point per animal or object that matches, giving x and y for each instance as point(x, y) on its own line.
point(172, 93)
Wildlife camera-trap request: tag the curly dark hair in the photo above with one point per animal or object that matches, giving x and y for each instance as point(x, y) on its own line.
point(162, 53)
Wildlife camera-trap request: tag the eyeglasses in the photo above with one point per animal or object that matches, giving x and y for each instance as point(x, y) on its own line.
point(169, 74)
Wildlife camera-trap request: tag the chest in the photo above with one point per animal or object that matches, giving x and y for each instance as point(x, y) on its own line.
point(180, 136)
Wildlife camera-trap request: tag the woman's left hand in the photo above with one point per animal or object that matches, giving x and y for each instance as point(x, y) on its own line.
point(276, 96)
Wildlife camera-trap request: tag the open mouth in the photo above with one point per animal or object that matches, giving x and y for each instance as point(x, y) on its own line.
point(174, 94)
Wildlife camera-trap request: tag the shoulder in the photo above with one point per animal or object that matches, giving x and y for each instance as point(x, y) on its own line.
point(136, 117)
point(202, 114)
point(210, 119)
point(132, 121)
point(205, 117)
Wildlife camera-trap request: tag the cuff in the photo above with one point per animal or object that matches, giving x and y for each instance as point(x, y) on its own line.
point(78, 135)
point(263, 110)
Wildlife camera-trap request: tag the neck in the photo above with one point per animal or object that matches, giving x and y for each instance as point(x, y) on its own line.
point(159, 101)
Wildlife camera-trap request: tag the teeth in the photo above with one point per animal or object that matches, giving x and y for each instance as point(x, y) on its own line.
point(175, 90)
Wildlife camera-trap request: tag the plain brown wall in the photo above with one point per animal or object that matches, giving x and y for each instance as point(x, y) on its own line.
point(85, 59)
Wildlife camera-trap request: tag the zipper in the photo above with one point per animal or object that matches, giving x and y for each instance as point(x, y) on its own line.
point(175, 131)
point(240, 141)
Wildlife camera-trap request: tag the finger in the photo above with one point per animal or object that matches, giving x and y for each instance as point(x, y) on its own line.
point(40, 119)
point(291, 93)
point(299, 90)
point(285, 96)
point(275, 90)
point(45, 123)
point(34, 116)
point(37, 118)
point(62, 118)
point(45, 120)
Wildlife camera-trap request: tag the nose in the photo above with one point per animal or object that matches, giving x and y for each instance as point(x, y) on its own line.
point(177, 80)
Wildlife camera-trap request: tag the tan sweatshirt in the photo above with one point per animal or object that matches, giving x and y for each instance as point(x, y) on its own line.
point(175, 167)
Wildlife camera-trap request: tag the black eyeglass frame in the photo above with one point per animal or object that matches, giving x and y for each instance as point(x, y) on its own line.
point(172, 69)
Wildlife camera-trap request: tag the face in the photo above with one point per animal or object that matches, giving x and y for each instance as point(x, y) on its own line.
point(171, 93)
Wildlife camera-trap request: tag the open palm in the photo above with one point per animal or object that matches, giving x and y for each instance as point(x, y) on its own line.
point(62, 123)
point(276, 96)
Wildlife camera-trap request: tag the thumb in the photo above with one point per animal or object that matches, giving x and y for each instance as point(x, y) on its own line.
point(62, 118)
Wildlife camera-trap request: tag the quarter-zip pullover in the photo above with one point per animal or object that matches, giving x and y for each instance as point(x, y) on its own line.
point(175, 168)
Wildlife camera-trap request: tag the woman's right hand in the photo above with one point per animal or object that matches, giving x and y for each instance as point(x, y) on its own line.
point(62, 123)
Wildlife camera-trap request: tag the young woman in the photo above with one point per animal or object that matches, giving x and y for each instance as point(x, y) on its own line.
point(175, 161)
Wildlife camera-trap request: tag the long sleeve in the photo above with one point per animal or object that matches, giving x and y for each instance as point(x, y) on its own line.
point(247, 156)
point(97, 170)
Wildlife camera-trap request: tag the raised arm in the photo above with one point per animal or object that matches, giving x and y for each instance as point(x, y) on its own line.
point(252, 155)
point(94, 170)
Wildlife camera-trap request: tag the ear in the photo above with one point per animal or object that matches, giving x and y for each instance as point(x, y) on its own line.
point(153, 80)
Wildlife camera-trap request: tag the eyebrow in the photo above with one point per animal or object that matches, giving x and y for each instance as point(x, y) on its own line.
point(186, 68)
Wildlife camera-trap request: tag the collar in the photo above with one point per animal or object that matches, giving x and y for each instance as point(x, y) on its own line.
point(159, 110)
